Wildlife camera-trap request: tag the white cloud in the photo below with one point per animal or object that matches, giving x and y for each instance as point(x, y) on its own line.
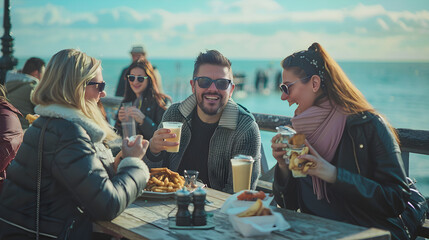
point(124, 12)
point(51, 15)
point(361, 30)
point(256, 6)
point(382, 24)
point(364, 12)
point(182, 29)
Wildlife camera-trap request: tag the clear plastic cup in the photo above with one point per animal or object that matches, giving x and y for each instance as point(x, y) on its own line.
point(242, 166)
point(175, 127)
point(129, 124)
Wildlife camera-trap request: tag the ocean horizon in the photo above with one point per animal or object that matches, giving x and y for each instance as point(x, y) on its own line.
point(398, 90)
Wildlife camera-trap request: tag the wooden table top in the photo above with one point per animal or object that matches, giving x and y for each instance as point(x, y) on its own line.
point(147, 218)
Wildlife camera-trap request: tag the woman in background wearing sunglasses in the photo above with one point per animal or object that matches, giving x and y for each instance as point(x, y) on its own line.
point(357, 174)
point(149, 103)
point(78, 178)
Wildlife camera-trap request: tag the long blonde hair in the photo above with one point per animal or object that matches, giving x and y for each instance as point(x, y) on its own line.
point(64, 82)
point(335, 84)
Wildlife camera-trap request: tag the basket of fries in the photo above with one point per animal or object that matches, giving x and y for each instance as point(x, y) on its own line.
point(163, 180)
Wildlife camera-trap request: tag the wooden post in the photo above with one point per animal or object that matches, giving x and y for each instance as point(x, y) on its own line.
point(7, 61)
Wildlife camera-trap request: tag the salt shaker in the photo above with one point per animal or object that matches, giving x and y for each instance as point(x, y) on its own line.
point(199, 215)
point(183, 216)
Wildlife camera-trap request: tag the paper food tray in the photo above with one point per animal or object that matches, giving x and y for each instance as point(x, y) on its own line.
point(258, 225)
point(233, 202)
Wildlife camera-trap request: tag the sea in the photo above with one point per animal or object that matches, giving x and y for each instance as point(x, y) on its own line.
point(398, 90)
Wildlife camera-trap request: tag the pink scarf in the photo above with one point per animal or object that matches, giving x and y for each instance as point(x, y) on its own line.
point(323, 127)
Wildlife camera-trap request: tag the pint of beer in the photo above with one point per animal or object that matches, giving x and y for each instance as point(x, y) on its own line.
point(242, 166)
point(175, 127)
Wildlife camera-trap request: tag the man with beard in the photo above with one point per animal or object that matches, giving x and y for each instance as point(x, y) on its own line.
point(214, 130)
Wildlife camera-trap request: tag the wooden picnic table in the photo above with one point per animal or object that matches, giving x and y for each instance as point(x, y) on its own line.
point(147, 218)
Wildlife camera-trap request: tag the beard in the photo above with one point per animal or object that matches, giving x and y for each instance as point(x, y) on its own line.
point(211, 109)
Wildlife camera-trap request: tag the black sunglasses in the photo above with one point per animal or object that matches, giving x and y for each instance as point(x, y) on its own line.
point(99, 85)
point(285, 88)
point(206, 82)
point(139, 78)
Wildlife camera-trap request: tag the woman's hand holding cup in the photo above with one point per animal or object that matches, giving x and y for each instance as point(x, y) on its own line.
point(278, 150)
point(136, 148)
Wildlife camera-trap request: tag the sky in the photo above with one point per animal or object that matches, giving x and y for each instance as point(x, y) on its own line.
point(368, 30)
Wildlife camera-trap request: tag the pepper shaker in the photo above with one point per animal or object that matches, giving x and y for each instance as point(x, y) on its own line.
point(199, 216)
point(183, 216)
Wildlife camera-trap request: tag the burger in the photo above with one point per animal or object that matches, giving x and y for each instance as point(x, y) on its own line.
point(298, 166)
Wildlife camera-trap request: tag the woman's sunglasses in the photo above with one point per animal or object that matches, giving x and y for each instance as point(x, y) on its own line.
point(285, 88)
point(206, 82)
point(139, 78)
point(99, 85)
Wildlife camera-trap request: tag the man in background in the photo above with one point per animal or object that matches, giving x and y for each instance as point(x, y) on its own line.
point(20, 84)
point(137, 53)
point(214, 130)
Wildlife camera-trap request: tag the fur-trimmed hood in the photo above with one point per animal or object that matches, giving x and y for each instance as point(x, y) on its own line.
point(74, 115)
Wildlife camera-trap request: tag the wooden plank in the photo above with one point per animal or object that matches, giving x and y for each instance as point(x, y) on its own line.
point(135, 228)
point(148, 218)
point(372, 233)
point(265, 186)
point(306, 226)
point(157, 216)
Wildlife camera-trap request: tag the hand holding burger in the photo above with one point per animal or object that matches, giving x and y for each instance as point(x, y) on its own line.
point(322, 168)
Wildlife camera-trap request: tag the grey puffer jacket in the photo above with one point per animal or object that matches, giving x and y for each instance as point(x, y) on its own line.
point(78, 184)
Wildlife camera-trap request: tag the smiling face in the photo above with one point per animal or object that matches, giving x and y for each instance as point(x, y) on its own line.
point(303, 94)
point(211, 101)
point(91, 92)
point(138, 87)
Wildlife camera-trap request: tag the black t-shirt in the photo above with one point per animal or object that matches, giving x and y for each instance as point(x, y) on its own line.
point(196, 155)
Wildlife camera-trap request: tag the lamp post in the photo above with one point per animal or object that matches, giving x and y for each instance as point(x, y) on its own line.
point(7, 61)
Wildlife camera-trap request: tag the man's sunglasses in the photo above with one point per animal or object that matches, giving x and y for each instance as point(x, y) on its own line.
point(206, 82)
point(139, 78)
point(285, 88)
point(99, 85)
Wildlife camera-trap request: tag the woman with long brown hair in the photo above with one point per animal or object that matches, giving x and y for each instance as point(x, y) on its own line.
point(148, 102)
point(355, 171)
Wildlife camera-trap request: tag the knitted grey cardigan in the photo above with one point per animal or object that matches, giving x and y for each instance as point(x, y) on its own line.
point(237, 133)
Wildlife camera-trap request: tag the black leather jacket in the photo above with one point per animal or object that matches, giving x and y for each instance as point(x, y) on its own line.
point(371, 188)
point(77, 176)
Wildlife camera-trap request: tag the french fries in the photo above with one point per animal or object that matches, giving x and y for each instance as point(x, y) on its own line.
point(256, 209)
point(164, 180)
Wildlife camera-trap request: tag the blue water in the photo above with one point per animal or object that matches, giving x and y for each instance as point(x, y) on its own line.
point(400, 91)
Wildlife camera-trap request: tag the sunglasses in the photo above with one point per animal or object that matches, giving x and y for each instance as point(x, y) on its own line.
point(285, 88)
point(139, 78)
point(206, 82)
point(99, 85)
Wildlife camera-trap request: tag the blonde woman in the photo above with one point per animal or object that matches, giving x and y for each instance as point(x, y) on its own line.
point(357, 175)
point(80, 182)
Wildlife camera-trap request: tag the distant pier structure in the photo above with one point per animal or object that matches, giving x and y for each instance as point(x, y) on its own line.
point(7, 61)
